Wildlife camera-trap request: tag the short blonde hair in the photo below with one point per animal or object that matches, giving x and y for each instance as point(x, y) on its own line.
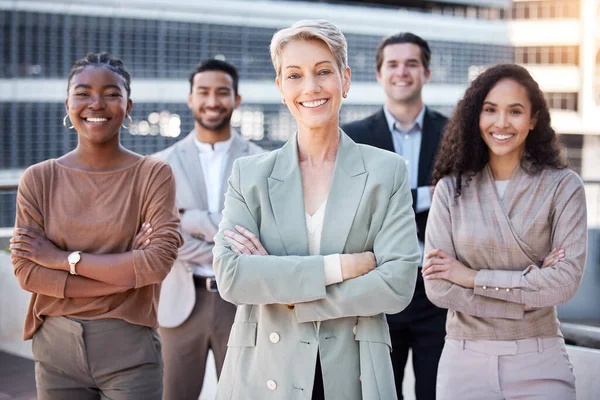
point(311, 29)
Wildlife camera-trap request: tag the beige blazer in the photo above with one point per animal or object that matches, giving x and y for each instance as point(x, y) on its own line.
point(505, 240)
point(274, 340)
point(178, 295)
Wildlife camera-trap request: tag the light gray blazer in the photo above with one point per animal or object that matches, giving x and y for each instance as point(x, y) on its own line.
point(178, 295)
point(274, 340)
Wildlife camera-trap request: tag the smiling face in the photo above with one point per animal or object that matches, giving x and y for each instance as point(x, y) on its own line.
point(505, 119)
point(97, 104)
point(213, 100)
point(312, 84)
point(402, 73)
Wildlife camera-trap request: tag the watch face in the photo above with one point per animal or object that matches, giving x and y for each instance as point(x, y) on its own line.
point(74, 258)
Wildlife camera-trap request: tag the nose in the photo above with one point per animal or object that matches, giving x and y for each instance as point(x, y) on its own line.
point(312, 85)
point(97, 102)
point(211, 100)
point(501, 120)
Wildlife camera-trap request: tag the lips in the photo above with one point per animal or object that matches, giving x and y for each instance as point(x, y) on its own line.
point(314, 103)
point(502, 137)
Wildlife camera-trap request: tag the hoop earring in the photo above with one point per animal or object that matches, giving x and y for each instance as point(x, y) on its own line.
point(344, 95)
point(130, 122)
point(65, 122)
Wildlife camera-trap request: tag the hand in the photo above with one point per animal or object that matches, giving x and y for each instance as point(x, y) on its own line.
point(440, 265)
point(357, 264)
point(553, 257)
point(244, 242)
point(34, 246)
point(142, 239)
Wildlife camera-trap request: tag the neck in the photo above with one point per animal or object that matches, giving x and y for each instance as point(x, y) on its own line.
point(99, 157)
point(211, 137)
point(503, 167)
point(405, 113)
point(317, 146)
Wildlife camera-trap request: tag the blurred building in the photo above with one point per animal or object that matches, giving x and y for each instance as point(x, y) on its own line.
point(161, 41)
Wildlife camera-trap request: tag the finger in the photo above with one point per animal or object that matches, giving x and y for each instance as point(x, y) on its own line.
point(240, 247)
point(436, 276)
point(251, 236)
point(26, 232)
point(435, 269)
point(242, 240)
point(142, 237)
point(20, 239)
point(21, 246)
point(20, 253)
point(143, 245)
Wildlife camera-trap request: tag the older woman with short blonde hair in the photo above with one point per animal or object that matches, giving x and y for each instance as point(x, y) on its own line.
point(317, 242)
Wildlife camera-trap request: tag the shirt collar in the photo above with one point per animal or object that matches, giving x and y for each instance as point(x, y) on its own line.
point(391, 120)
point(220, 147)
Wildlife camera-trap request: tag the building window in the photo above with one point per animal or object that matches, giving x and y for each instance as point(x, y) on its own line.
point(546, 9)
point(562, 101)
point(563, 55)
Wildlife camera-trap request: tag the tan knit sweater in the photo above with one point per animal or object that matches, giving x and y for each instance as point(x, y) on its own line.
point(98, 213)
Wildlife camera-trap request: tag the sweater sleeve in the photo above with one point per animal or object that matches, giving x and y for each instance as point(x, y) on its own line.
point(446, 294)
point(153, 263)
point(33, 277)
point(537, 287)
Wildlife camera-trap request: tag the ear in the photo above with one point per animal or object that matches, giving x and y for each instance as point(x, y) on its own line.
point(189, 101)
point(129, 106)
point(533, 122)
point(278, 82)
point(238, 100)
point(378, 76)
point(67, 105)
point(427, 75)
point(347, 75)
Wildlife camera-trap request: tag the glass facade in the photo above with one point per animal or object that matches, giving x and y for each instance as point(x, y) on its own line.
point(42, 46)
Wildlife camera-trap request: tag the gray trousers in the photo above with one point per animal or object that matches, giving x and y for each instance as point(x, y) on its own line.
point(185, 347)
point(103, 359)
point(536, 368)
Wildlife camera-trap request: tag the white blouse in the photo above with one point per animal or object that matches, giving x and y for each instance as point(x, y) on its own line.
point(314, 227)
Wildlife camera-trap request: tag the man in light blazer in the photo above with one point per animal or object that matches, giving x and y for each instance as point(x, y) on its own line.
point(407, 127)
point(193, 317)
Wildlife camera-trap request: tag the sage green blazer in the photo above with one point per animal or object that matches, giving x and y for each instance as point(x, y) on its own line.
point(286, 314)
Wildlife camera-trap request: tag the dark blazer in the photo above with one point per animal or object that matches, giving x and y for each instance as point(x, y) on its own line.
point(374, 131)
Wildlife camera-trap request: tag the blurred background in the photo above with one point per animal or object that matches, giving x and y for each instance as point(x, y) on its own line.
point(161, 41)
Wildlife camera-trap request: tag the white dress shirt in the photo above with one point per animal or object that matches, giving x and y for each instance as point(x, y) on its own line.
point(213, 161)
point(314, 227)
point(407, 143)
point(501, 187)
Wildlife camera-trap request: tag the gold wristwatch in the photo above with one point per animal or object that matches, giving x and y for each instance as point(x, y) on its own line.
point(73, 259)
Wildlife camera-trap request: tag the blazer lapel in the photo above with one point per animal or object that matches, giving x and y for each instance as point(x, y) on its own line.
point(505, 206)
point(345, 194)
point(380, 133)
point(287, 199)
point(239, 148)
point(191, 165)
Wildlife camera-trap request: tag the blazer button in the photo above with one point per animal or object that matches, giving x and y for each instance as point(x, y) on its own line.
point(271, 385)
point(291, 306)
point(497, 288)
point(354, 329)
point(274, 337)
point(484, 287)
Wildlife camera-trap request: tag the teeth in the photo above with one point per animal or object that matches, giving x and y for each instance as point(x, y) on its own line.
point(501, 137)
point(313, 104)
point(96, 119)
point(401, 84)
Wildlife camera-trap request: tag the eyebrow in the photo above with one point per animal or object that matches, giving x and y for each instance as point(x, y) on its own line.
point(408, 60)
point(209, 87)
point(319, 63)
point(85, 86)
point(510, 105)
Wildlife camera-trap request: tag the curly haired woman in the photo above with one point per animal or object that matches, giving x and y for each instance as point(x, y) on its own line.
point(503, 201)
